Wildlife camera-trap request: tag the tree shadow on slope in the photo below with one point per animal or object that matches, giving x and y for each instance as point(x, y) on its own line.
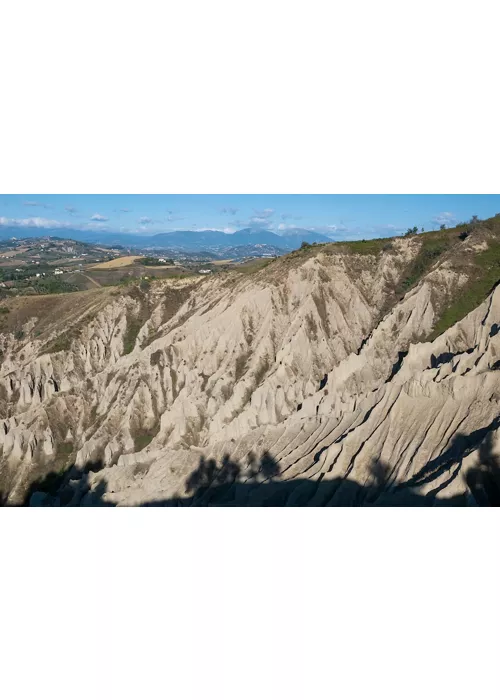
point(484, 480)
point(69, 487)
point(263, 485)
point(260, 483)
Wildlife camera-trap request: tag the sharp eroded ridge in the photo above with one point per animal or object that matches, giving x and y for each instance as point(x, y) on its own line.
point(315, 381)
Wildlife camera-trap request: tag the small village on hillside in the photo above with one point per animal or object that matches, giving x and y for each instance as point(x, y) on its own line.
point(51, 265)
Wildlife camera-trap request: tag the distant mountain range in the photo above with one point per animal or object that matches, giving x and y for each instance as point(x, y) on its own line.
point(181, 240)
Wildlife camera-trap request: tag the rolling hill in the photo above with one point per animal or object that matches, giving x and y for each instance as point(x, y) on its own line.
point(182, 240)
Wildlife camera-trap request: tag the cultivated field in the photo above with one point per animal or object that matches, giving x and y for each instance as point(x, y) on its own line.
point(124, 261)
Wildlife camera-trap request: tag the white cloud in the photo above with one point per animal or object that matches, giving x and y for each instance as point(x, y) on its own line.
point(36, 204)
point(288, 227)
point(262, 219)
point(253, 222)
point(330, 229)
point(444, 217)
point(334, 231)
point(290, 216)
point(42, 223)
point(259, 221)
point(341, 232)
point(36, 222)
point(263, 213)
point(98, 217)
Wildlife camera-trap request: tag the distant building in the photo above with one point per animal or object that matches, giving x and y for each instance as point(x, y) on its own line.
point(58, 272)
point(204, 272)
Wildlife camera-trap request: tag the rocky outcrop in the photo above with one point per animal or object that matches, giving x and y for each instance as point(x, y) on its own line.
point(310, 382)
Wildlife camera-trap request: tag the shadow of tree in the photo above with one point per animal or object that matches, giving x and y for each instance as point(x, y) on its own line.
point(461, 446)
point(484, 480)
point(260, 483)
point(69, 487)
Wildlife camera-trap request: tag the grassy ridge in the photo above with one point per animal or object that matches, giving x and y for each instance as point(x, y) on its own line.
point(374, 246)
point(487, 275)
point(433, 246)
point(482, 267)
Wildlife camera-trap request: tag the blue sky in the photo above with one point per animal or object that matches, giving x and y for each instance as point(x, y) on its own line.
point(338, 216)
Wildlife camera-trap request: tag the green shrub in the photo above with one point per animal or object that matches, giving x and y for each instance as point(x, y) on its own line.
point(142, 441)
point(152, 261)
point(60, 344)
point(134, 325)
point(65, 448)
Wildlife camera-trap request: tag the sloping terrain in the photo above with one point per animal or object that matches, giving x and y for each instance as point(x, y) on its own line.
point(341, 374)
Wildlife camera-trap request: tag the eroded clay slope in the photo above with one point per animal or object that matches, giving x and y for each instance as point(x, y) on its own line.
point(306, 383)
